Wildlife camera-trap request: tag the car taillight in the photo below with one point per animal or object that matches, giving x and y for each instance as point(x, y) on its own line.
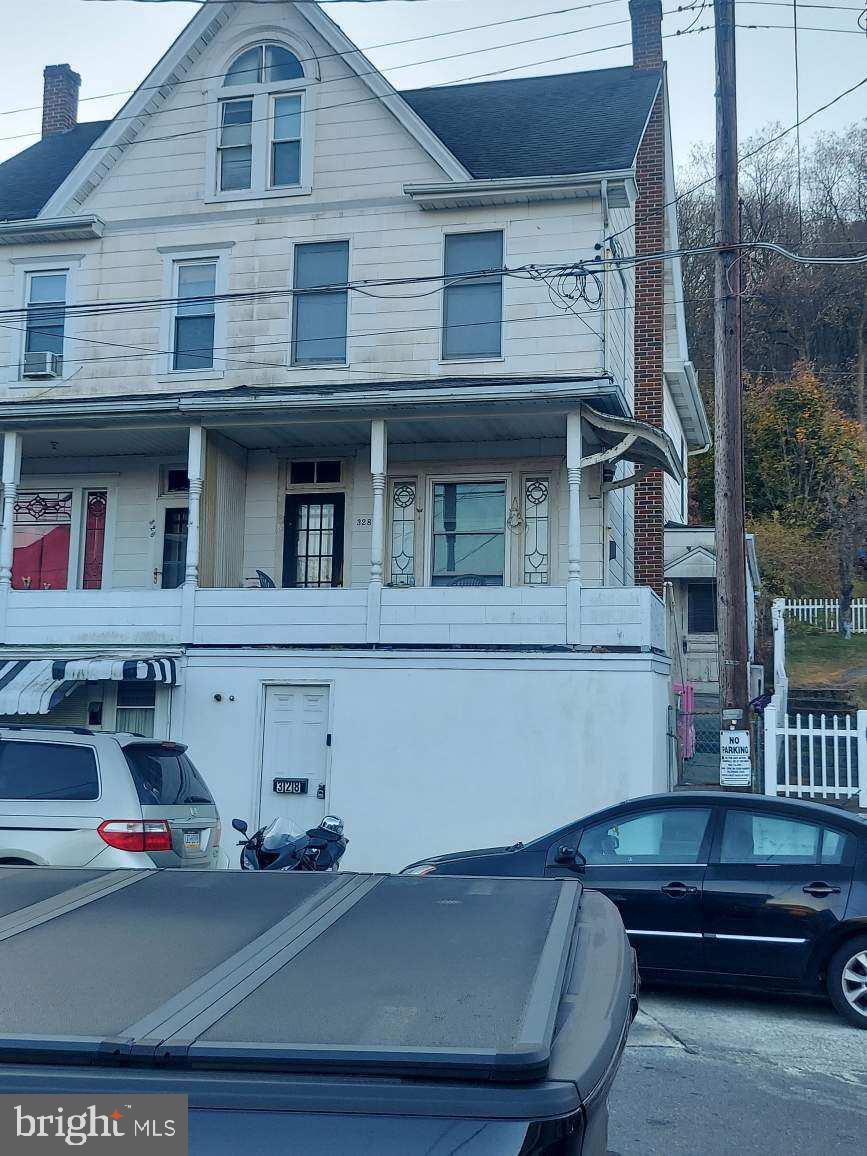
point(136, 834)
point(217, 836)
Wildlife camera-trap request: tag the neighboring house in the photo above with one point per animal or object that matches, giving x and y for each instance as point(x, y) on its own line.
point(377, 543)
point(690, 567)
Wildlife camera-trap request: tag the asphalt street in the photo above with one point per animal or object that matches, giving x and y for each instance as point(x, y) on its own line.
point(716, 1074)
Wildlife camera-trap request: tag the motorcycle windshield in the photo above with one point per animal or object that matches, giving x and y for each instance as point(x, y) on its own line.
point(279, 834)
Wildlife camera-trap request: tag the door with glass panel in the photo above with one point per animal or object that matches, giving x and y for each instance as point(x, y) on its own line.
point(313, 540)
point(468, 535)
point(172, 572)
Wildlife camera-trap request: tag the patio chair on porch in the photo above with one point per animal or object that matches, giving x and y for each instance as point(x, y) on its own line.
point(467, 580)
point(266, 582)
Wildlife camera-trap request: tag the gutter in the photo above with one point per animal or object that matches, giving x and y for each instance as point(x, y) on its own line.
point(20, 414)
point(441, 194)
point(695, 393)
point(82, 228)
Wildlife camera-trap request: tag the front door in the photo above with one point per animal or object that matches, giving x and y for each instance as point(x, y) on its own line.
point(651, 864)
point(313, 540)
point(774, 887)
point(174, 554)
point(295, 755)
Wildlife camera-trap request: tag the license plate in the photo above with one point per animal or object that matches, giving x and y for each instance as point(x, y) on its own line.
point(290, 786)
point(193, 840)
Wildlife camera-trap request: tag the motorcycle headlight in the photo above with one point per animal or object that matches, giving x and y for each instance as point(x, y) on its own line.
point(421, 869)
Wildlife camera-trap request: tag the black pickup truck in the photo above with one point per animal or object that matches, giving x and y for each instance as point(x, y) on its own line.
point(332, 1013)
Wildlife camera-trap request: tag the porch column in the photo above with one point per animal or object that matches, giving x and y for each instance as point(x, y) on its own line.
point(378, 471)
point(573, 473)
point(196, 475)
point(11, 477)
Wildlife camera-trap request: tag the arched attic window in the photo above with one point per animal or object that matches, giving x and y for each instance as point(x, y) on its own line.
point(264, 64)
point(261, 129)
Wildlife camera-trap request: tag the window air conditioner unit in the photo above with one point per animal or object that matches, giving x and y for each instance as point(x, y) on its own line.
point(42, 365)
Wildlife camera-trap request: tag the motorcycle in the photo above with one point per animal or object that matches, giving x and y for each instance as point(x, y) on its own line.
point(283, 846)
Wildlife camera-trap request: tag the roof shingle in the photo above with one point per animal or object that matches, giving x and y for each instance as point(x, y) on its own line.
point(575, 122)
point(28, 179)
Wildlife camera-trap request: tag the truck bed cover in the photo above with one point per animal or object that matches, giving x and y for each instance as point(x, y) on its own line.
point(348, 981)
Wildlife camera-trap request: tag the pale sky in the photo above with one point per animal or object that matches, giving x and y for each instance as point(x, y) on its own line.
point(114, 43)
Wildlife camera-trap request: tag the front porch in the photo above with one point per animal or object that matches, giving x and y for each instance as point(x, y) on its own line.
point(345, 519)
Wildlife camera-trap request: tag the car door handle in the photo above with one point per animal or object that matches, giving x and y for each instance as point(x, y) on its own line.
point(676, 890)
point(820, 890)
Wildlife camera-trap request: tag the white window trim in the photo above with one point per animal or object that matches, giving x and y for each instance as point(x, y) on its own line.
point(262, 96)
point(493, 475)
point(514, 474)
point(69, 264)
point(285, 489)
point(313, 365)
point(482, 358)
point(174, 256)
point(79, 486)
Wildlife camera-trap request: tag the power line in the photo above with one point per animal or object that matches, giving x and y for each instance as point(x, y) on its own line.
point(352, 52)
point(376, 72)
point(753, 152)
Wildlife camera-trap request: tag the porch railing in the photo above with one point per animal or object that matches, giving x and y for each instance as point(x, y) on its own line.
point(630, 617)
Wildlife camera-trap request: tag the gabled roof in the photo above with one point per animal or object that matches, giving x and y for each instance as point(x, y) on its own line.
point(29, 179)
point(576, 122)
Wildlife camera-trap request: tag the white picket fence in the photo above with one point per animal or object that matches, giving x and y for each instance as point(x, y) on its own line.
point(823, 612)
point(816, 756)
point(820, 756)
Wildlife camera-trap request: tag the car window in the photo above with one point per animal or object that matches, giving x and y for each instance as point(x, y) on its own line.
point(750, 837)
point(165, 777)
point(47, 771)
point(671, 835)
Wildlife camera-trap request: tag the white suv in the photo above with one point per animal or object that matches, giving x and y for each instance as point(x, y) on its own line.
point(72, 797)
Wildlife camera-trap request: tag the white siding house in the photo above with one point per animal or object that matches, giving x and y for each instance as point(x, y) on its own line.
point(287, 400)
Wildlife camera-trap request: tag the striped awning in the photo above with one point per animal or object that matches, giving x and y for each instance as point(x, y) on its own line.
point(163, 670)
point(36, 686)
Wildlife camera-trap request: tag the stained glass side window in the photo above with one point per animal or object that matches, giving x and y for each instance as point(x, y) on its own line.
point(402, 546)
point(41, 537)
point(537, 563)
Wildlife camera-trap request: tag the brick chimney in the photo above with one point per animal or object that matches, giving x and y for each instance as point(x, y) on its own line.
point(646, 16)
point(59, 99)
point(649, 287)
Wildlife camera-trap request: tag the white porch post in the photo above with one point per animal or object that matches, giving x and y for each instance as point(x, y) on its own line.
point(378, 471)
point(573, 473)
point(196, 476)
point(11, 478)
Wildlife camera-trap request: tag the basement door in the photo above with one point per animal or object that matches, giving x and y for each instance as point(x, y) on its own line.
point(295, 755)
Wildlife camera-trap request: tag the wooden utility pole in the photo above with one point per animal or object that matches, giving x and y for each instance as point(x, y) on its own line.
point(728, 418)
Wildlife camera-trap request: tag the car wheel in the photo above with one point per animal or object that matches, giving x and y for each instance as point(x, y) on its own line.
point(847, 981)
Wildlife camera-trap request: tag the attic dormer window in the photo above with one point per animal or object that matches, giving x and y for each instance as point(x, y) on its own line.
point(260, 134)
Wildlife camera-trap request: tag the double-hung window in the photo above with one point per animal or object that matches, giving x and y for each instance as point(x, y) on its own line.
point(261, 122)
point(236, 145)
point(46, 307)
point(320, 303)
point(193, 327)
point(473, 295)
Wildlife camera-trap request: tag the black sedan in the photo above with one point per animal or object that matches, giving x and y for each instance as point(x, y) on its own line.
point(721, 888)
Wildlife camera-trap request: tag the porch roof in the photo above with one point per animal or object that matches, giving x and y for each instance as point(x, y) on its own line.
point(345, 399)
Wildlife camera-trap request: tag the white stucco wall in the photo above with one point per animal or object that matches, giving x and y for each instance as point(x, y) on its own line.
point(434, 752)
